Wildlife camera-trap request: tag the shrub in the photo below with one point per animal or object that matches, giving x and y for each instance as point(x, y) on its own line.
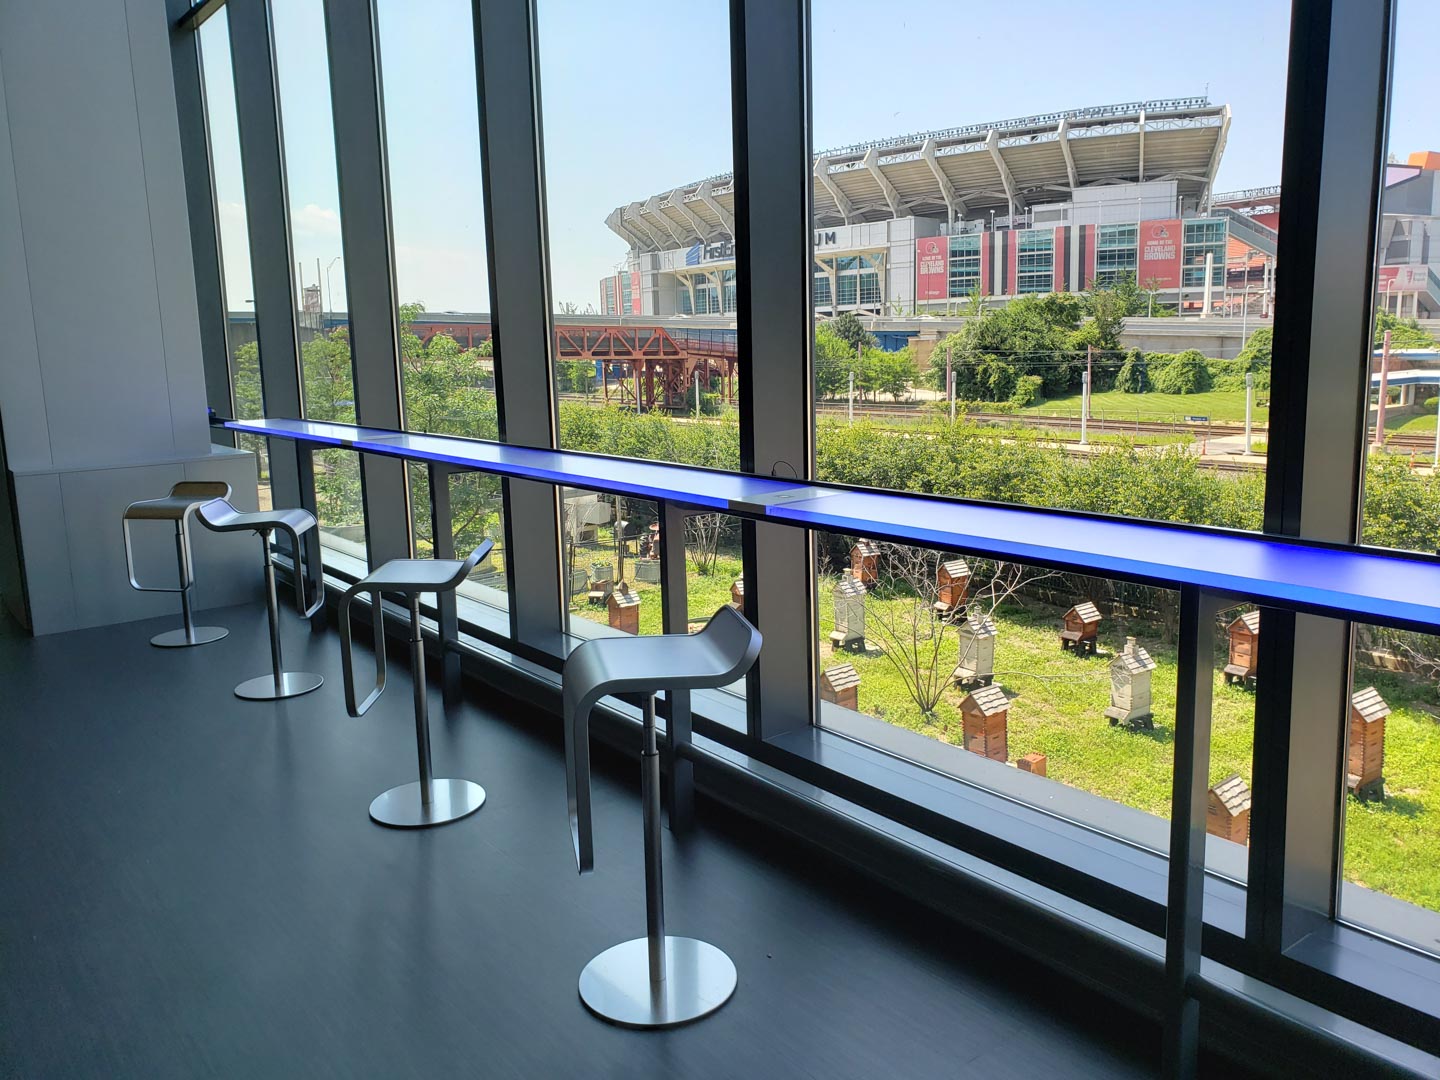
point(1183, 374)
point(1133, 376)
point(1027, 391)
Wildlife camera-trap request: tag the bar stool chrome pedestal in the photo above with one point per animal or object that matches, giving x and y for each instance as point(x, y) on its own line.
point(178, 507)
point(429, 801)
point(656, 981)
point(219, 516)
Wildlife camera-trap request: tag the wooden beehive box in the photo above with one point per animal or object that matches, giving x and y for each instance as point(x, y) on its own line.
point(1130, 686)
point(1081, 625)
point(1032, 762)
point(1227, 810)
point(865, 562)
point(737, 594)
point(849, 632)
point(841, 685)
point(1365, 752)
point(624, 605)
point(952, 581)
point(976, 663)
point(1244, 635)
point(984, 713)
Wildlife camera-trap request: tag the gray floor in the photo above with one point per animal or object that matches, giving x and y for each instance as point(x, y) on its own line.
point(192, 888)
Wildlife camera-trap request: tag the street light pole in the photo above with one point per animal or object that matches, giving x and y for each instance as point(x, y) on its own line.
point(329, 290)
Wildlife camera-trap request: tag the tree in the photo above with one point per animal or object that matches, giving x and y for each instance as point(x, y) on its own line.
point(890, 373)
point(1133, 378)
point(1030, 335)
point(834, 359)
point(1404, 333)
point(850, 330)
point(918, 640)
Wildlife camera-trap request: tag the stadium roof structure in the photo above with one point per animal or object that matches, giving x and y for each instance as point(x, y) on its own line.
point(966, 172)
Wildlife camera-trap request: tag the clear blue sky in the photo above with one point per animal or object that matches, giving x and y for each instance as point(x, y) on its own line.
point(636, 98)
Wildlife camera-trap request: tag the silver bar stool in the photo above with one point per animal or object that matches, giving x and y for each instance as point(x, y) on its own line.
point(219, 516)
point(655, 981)
point(429, 801)
point(179, 506)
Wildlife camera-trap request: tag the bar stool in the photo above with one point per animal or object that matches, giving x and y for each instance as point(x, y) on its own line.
point(428, 801)
point(178, 507)
point(219, 516)
point(656, 981)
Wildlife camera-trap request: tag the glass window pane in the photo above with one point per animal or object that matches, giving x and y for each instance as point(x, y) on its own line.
point(327, 374)
point(1020, 262)
point(1064, 677)
point(1391, 848)
point(654, 371)
point(218, 76)
point(441, 272)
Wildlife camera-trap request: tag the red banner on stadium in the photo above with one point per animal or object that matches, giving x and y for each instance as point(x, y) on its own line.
point(1161, 244)
point(635, 293)
point(932, 270)
point(1405, 278)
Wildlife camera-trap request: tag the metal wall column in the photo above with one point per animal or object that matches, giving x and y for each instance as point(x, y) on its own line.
point(770, 72)
point(675, 619)
point(272, 262)
point(1336, 114)
point(200, 205)
point(506, 67)
point(1195, 679)
point(353, 43)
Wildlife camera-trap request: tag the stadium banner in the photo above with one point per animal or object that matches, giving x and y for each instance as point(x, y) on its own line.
point(932, 268)
point(1160, 250)
point(1407, 278)
point(635, 292)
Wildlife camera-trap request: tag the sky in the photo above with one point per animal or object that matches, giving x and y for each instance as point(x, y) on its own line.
point(636, 100)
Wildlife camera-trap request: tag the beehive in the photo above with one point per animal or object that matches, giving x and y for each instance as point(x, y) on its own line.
point(977, 651)
point(849, 632)
point(984, 714)
point(1130, 686)
point(624, 605)
point(841, 685)
point(601, 576)
point(952, 581)
point(1227, 810)
point(737, 594)
point(1081, 625)
point(1032, 762)
point(865, 562)
point(1365, 751)
point(1244, 635)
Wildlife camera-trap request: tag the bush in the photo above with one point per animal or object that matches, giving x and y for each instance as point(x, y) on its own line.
point(710, 404)
point(1027, 391)
point(1185, 373)
point(1133, 376)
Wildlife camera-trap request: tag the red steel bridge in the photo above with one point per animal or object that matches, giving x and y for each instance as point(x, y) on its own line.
point(657, 364)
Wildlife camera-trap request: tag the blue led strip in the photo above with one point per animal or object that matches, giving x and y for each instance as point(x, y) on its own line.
point(1368, 586)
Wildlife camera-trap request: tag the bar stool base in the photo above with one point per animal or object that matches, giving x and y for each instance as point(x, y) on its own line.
point(292, 684)
point(177, 639)
point(615, 986)
point(450, 800)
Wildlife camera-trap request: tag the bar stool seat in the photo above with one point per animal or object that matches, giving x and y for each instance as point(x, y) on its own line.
point(178, 506)
point(429, 801)
point(219, 515)
point(655, 981)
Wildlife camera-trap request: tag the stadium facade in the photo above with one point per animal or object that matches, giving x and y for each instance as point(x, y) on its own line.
point(925, 223)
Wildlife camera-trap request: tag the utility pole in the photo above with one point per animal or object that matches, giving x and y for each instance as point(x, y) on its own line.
point(1089, 374)
point(850, 407)
point(697, 397)
point(950, 384)
point(1249, 408)
point(1384, 391)
point(1085, 411)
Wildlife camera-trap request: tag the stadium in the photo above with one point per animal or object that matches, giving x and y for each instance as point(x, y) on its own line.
point(926, 223)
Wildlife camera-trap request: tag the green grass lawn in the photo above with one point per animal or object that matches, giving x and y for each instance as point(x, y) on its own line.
point(1220, 405)
point(1058, 703)
point(1410, 425)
